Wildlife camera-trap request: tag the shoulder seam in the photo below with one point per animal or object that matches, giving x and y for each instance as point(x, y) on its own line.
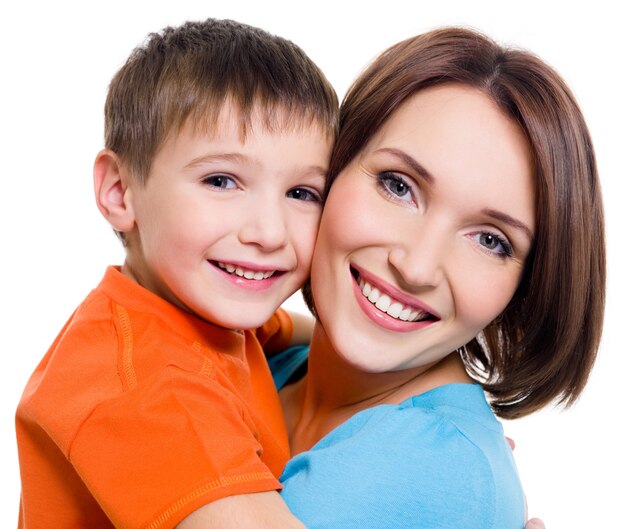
point(126, 369)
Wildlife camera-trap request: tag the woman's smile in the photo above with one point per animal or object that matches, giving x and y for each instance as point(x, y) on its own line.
point(387, 306)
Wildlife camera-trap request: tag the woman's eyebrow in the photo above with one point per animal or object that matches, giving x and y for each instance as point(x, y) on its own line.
point(410, 161)
point(493, 213)
point(511, 221)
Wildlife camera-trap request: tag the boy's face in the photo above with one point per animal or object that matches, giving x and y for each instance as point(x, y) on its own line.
point(225, 226)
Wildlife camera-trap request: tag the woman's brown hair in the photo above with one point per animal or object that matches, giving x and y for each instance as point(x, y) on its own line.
point(543, 345)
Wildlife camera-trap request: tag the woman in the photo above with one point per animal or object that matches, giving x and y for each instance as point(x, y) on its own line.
point(462, 243)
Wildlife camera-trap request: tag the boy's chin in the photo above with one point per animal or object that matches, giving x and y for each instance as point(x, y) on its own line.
point(242, 319)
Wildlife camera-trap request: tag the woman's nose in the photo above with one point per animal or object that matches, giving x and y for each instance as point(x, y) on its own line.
point(419, 257)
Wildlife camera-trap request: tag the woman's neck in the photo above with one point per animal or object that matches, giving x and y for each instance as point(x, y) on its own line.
point(334, 390)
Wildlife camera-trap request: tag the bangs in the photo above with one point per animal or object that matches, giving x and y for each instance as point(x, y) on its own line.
point(274, 116)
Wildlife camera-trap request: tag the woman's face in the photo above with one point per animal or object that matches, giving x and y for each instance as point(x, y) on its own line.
point(424, 235)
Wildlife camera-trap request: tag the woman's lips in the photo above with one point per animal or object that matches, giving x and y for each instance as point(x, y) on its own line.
point(391, 306)
point(388, 306)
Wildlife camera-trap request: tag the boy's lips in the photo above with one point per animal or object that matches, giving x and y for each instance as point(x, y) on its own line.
point(247, 274)
point(387, 305)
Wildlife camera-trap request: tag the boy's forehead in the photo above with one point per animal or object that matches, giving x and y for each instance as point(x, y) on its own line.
point(214, 121)
point(231, 134)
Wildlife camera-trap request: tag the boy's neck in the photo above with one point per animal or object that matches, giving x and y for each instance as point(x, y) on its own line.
point(128, 271)
point(144, 280)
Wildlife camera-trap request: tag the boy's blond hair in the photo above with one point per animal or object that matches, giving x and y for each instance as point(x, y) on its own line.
point(188, 73)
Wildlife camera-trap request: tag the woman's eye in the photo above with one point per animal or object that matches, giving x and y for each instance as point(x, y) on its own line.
point(302, 193)
point(220, 181)
point(495, 244)
point(395, 186)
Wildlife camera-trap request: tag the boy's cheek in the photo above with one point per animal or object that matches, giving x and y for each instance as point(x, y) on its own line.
point(308, 239)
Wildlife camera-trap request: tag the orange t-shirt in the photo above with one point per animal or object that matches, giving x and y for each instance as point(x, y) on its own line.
point(140, 413)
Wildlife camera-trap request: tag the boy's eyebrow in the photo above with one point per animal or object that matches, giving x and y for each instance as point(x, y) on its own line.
point(205, 158)
point(239, 158)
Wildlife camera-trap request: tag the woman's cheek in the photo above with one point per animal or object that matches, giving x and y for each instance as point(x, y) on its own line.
point(481, 293)
point(353, 214)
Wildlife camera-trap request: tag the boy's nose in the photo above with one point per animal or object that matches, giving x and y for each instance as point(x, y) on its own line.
point(266, 229)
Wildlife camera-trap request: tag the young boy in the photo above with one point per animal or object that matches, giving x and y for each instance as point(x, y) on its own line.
point(155, 400)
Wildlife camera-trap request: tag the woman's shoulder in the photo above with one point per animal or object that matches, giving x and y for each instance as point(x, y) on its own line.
point(462, 405)
point(452, 410)
point(442, 444)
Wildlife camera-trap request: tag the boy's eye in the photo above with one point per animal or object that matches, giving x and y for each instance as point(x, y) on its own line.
point(220, 181)
point(302, 193)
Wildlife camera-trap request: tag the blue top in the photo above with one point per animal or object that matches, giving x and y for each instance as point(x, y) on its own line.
point(436, 460)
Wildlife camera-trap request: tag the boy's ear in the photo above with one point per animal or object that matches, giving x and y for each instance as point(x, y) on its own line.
point(113, 194)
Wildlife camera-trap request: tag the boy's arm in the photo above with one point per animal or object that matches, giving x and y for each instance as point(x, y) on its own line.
point(260, 510)
point(302, 328)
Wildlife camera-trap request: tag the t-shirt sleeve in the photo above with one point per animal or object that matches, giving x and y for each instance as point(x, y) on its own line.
point(155, 454)
point(276, 333)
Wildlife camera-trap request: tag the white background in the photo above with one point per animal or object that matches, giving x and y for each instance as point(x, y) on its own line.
point(56, 61)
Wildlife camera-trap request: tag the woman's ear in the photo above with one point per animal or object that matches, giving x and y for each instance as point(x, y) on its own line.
point(113, 194)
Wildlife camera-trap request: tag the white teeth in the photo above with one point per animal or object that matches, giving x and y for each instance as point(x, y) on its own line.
point(394, 308)
point(383, 303)
point(404, 315)
point(374, 295)
point(247, 274)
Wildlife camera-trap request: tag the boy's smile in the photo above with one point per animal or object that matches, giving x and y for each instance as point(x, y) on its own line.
point(225, 225)
point(248, 275)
